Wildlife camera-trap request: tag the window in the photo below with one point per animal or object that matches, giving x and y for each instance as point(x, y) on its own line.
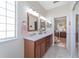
point(7, 20)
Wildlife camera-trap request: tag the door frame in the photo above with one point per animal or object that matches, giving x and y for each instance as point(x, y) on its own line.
point(54, 29)
point(76, 13)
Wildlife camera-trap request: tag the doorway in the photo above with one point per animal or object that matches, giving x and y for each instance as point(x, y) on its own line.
point(77, 28)
point(60, 31)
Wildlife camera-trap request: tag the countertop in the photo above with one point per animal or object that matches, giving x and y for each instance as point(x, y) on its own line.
point(37, 36)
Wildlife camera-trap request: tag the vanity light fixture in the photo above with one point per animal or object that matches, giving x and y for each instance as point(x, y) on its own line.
point(55, 2)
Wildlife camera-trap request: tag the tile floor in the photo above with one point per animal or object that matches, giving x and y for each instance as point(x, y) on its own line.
point(78, 51)
point(57, 52)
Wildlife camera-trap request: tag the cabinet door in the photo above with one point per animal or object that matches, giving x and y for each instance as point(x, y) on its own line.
point(28, 49)
point(37, 51)
point(42, 48)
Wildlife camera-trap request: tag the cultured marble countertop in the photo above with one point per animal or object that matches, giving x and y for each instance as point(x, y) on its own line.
point(38, 36)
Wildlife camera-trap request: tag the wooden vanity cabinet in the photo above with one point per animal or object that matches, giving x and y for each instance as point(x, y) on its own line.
point(36, 49)
point(40, 48)
point(28, 49)
point(43, 47)
point(48, 42)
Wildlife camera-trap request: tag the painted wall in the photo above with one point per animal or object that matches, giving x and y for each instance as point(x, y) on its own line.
point(60, 11)
point(33, 5)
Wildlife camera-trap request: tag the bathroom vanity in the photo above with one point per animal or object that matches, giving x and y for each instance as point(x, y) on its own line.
point(37, 46)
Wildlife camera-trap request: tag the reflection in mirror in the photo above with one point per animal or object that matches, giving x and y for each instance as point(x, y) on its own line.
point(60, 31)
point(49, 25)
point(42, 25)
point(32, 22)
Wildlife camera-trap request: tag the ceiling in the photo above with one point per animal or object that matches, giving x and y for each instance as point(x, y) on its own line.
point(47, 5)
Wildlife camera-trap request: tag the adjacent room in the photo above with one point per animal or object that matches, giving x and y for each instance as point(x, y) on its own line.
point(39, 29)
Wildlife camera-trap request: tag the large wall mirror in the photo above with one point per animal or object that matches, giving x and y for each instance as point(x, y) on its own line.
point(32, 22)
point(48, 24)
point(42, 25)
